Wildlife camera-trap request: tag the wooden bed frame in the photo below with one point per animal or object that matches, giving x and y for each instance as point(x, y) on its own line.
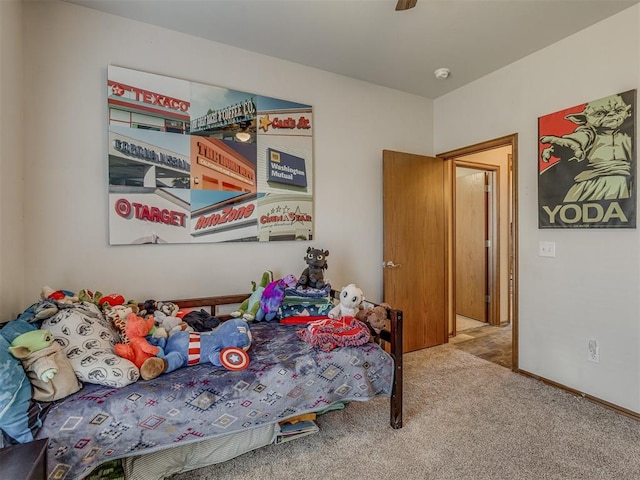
point(392, 336)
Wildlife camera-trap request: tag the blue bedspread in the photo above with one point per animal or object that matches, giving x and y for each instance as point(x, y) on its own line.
point(286, 377)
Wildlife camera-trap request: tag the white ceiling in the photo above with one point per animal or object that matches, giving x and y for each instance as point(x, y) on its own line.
point(369, 40)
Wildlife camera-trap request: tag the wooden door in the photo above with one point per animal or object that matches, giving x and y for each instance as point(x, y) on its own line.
point(414, 245)
point(471, 249)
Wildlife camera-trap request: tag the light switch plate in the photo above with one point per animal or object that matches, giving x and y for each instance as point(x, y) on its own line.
point(547, 249)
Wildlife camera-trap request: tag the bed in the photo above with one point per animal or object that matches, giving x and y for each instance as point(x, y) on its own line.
point(201, 414)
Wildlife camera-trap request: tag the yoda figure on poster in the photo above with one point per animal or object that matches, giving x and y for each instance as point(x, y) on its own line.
point(598, 140)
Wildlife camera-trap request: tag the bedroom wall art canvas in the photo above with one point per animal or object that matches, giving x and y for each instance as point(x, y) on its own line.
point(587, 165)
point(196, 163)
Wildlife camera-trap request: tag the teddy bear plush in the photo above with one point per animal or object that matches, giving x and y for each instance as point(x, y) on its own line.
point(46, 365)
point(249, 308)
point(138, 349)
point(225, 346)
point(349, 302)
point(375, 318)
point(313, 275)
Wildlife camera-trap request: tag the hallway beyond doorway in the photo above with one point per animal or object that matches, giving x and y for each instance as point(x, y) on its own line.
point(488, 342)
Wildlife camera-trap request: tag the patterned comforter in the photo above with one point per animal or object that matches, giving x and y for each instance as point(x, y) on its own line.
point(286, 377)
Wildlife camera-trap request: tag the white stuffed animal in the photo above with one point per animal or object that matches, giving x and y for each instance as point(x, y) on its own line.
point(350, 299)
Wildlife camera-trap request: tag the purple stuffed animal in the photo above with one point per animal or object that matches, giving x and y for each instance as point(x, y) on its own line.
point(272, 297)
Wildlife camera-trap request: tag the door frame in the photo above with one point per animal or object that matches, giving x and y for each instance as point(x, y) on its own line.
point(449, 157)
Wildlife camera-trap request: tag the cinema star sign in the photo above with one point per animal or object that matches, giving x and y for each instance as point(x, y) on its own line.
point(587, 165)
point(285, 217)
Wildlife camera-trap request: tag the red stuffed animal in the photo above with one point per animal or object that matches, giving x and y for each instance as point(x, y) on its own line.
point(138, 349)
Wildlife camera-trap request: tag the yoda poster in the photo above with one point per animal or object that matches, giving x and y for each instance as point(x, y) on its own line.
point(587, 165)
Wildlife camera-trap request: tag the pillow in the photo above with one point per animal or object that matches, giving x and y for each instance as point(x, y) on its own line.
point(15, 395)
point(88, 339)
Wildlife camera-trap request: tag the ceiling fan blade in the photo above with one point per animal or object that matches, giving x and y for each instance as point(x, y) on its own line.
point(405, 4)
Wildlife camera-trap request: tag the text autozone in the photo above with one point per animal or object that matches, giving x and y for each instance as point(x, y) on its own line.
point(227, 215)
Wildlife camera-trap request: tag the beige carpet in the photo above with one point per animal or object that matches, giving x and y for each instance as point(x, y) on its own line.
point(465, 323)
point(465, 418)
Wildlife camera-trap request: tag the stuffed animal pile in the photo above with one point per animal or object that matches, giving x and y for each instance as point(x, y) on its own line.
point(165, 316)
point(67, 339)
point(224, 347)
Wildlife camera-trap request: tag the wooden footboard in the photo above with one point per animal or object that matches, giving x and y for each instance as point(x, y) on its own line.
point(391, 335)
point(394, 337)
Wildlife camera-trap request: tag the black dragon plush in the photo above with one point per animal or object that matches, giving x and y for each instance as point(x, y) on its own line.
point(313, 275)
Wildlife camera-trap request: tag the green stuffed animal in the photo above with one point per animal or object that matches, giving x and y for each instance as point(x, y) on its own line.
point(46, 365)
point(31, 342)
point(249, 308)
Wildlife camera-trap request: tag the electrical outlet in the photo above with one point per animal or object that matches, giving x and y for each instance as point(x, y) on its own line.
point(593, 351)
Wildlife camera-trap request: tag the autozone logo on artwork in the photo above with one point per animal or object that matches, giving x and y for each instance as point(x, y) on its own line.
point(140, 211)
point(227, 215)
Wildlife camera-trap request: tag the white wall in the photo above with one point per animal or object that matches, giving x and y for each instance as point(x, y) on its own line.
point(590, 290)
point(11, 155)
point(67, 50)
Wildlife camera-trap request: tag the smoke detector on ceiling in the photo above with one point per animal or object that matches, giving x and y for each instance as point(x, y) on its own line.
point(442, 73)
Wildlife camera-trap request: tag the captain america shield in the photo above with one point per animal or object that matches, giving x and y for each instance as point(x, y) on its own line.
point(234, 358)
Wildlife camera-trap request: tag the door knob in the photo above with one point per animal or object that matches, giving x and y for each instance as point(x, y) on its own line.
point(390, 264)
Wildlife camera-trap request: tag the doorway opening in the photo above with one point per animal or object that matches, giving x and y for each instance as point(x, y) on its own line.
point(482, 249)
